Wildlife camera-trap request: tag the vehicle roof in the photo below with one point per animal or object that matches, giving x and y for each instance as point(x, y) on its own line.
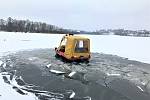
point(76, 37)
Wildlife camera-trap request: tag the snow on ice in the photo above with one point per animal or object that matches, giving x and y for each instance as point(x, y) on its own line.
point(8, 93)
point(133, 48)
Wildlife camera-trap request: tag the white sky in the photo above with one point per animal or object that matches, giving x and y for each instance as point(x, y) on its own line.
point(81, 14)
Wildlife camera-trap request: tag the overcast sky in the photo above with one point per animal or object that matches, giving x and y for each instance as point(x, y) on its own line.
point(81, 14)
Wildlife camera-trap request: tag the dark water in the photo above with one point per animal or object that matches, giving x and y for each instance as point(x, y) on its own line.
point(86, 85)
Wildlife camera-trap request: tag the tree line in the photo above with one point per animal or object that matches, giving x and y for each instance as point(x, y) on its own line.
point(13, 25)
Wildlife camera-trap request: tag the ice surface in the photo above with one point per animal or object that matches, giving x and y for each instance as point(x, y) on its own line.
point(56, 71)
point(49, 65)
point(8, 93)
point(71, 74)
point(140, 88)
point(1, 62)
point(134, 48)
point(113, 74)
point(72, 95)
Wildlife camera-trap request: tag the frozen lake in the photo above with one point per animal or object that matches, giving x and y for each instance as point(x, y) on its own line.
point(134, 48)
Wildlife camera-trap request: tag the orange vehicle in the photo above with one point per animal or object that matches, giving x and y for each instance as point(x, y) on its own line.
point(74, 48)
